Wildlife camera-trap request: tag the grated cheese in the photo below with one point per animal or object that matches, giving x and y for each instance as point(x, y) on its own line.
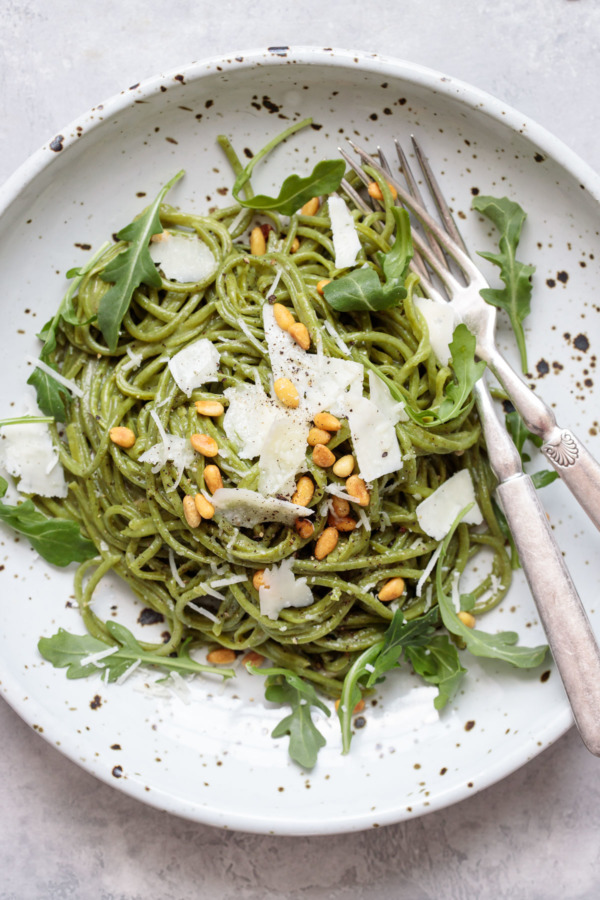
point(428, 569)
point(173, 567)
point(203, 611)
point(129, 671)
point(381, 396)
point(66, 382)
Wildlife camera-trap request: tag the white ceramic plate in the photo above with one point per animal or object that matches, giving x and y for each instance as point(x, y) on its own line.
point(213, 759)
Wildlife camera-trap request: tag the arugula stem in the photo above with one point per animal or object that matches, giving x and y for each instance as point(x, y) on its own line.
point(26, 420)
point(350, 688)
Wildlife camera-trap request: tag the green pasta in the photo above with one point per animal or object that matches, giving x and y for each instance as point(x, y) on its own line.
point(136, 517)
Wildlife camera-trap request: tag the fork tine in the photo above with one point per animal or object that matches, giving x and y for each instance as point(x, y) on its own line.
point(462, 258)
point(416, 193)
point(436, 193)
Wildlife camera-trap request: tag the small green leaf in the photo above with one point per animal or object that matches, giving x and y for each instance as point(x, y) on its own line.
point(296, 191)
point(69, 650)
point(520, 434)
point(52, 397)
point(467, 371)
point(399, 636)
point(438, 664)
point(283, 686)
point(59, 541)
point(131, 267)
point(480, 643)
point(515, 297)
point(543, 478)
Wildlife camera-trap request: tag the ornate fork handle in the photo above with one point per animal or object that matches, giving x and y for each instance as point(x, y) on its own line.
point(575, 465)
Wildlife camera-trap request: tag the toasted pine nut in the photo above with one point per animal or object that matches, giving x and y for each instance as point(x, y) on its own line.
point(305, 488)
point(295, 245)
point(212, 478)
point(344, 466)
point(318, 436)
point(305, 528)
point(258, 245)
point(221, 657)
point(391, 590)
point(341, 507)
point(211, 408)
point(357, 709)
point(203, 506)
point(466, 618)
point(327, 542)
point(322, 456)
point(310, 208)
point(161, 236)
point(343, 523)
point(204, 444)
point(286, 392)
point(122, 437)
point(192, 516)
point(258, 579)
point(327, 422)
point(299, 332)
point(375, 191)
point(357, 488)
point(253, 658)
point(321, 284)
point(283, 316)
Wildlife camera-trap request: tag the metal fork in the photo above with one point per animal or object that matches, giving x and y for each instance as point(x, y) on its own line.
point(563, 617)
point(575, 465)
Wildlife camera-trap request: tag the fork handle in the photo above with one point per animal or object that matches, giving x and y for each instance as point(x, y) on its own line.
point(565, 452)
point(563, 617)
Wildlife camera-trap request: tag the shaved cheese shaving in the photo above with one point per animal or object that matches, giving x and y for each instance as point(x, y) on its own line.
point(343, 346)
point(381, 396)
point(66, 382)
point(173, 568)
point(282, 457)
point(346, 242)
point(282, 590)
point(195, 365)
point(374, 439)
point(203, 611)
point(428, 569)
point(245, 508)
point(210, 592)
point(129, 671)
point(337, 491)
point(183, 257)
point(232, 579)
point(94, 658)
point(437, 512)
point(249, 417)
point(363, 519)
point(441, 321)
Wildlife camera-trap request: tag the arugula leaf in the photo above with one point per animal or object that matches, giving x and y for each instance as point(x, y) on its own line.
point(362, 289)
point(438, 663)
point(399, 636)
point(52, 397)
point(66, 650)
point(369, 668)
point(466, 373)
point(284, 686)
point(480, 643)
point(131, 267)
point(520, 433)
point(295, 191)
point(59, 541)
point(515, 297)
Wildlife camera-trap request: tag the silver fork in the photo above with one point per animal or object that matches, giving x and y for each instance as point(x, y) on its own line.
point(563, 617)
point(575, 465)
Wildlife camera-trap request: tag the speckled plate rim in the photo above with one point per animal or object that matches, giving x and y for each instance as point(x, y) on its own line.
point(75, 133)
